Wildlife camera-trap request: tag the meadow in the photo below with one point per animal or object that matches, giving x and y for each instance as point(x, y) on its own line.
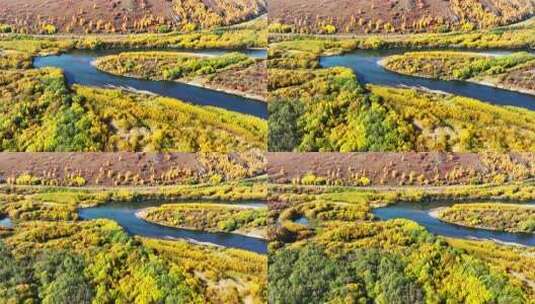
point(511, 72)
point(210, 217)
point(491, 216)
point(226, 72)
point(365, 259)
point(51, 255)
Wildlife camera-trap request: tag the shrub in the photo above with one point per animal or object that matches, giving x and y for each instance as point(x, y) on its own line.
point(49, 29)
point(27, 179)
point(164, 29)
point(5, 28)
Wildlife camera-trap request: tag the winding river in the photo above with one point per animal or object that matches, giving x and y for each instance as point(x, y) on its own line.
point(78, 69)
point(368, 70)
point(125, 215)
point(421, 213)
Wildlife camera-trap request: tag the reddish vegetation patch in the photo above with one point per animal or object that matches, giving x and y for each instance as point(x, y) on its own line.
point(403, 15)
point(120, 16)
point(521, 78)
point(251, 81)
point(77, 15)
point(88, 164)
point(379, 168)
point(112, 169)
point(340, 12)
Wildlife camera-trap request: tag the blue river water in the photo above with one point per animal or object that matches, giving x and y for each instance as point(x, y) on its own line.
point(366, 65)
point(125, 215)
point(78, 69)
point(420, 213)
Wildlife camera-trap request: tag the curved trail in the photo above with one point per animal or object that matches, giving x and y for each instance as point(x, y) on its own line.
point(366, 66)
point(423, 214)
point(78, 69)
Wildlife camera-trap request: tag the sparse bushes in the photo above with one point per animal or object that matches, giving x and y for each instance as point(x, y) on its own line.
point(5, 28)
point(49, 29)
point(27, 179)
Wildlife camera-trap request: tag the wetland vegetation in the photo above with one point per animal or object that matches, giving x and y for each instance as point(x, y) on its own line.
point(514, 71)
point(210, 217)
point(501, 217)
point(365, 258)
point(51, 250)
point(209, 71)
point(42, 113)
point(330, 108)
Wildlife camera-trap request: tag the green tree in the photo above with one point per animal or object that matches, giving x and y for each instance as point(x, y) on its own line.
point(284, 131)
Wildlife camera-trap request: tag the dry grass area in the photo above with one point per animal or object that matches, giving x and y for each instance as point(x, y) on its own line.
point(386, 16)
point(251, 81)
point(122, 16)
point(113, 169)
point(394, 169)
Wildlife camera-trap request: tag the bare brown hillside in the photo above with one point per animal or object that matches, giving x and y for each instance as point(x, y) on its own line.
point(394, 169)
point(386, 16)
point(121, 16)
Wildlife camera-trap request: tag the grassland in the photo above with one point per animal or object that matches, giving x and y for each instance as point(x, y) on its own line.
point(507, 37)
point(513, 72)
point(109, 17)
point(500, 217)
point(210, 217)
point(226, 72)
point(365, 259)
point(224, 39)
point(328, 110)
point(51, 255)
point(90, 119)
point(406, 16)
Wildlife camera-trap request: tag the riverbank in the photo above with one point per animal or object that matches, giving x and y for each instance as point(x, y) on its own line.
point(176, 66)
point(485, 80)
point(514, 218)
point(253, 233)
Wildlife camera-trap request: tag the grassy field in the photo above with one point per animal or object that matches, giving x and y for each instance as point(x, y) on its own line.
point(491, 216)
point(407, 16)
point(233, 72)
point(366, 259)
point(210, 217)
point(507, 37)
point(51, 255)
point(513, 72)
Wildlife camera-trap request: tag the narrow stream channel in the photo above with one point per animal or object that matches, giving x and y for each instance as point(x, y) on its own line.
point(125, 215)
point(78, 69)
point(420, 213)
point(6, 222)
point(366, 66)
